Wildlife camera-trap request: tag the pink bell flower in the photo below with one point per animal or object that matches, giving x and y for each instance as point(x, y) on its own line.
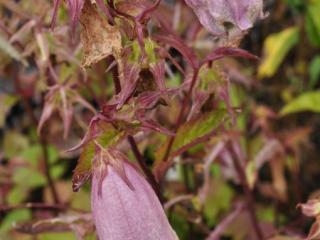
point(124, 206)
point(221, 16)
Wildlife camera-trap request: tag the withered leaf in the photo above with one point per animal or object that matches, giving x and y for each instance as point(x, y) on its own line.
point(98, 37)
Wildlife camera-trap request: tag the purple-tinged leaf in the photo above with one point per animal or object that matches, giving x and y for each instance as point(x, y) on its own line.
point(314, 231)
point(61, 98)
point(210, 158)
point(46, 114)
point(158, 71)
point(200, 97)
point(152, 125)
point(56, 4)
point(179, 45)
point(219, 229)
point(147, 12)
point(163, 53)
point(104, 9)
point(147, 100)
point(102, 134)
point(129, 81)
point(88, 136)
point(228, 52)
point(189, 134)
point(83, 102)
point(75, 7)
point(23, 31)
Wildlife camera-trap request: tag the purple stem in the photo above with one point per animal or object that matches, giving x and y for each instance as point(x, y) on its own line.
point(134, 146)
point(248, 194)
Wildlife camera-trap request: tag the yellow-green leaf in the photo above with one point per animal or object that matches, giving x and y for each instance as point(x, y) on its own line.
point(312, 22)
point(7, 48)
point(190, 132)
point(276, 47)
point(309, 101)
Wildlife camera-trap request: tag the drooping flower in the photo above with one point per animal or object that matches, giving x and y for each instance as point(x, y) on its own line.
point(221, 16)
point(124, 206)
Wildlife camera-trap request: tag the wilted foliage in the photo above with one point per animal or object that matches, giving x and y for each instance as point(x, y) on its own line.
point(150, 119)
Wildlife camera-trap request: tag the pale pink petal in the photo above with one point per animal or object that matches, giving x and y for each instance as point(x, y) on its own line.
point(121, 213)
point(219, 16)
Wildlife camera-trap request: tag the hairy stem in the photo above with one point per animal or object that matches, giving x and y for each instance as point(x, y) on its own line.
point(145, 168)
point(134, 146)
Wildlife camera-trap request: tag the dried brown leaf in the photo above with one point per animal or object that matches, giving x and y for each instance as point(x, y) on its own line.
point(98, 37)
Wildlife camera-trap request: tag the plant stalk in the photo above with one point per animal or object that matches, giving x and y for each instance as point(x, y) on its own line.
point(134, 147)
point(248, 194)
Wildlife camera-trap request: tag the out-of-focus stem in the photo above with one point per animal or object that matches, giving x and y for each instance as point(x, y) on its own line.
point(52, 187)
point(248, 194)
point(45, 206)
point(42, 141)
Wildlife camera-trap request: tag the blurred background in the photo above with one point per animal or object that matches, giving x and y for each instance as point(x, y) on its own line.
point(278, 127)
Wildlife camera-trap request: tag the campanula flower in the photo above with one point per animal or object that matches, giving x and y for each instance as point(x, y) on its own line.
point(124, 206)
point(221, 16)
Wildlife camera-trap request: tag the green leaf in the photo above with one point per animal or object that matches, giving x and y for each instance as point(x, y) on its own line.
point(81, 200)
point(276, 47)
point(13, 217)
point(33, 177)
point(211, 78)
point(296, 4)
point(14, 143)
point(109, 136)
point(58, 170)
point(7, 102)
point(314, 71)
point(17, 195)
point(218, 200)
point(191, 132)
point(55, 236)
point(32, 155)
point(312, 22)
point(309, 101)
point(7, 48)
point(180, 225)
point(266, 214)
point(149, 47)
